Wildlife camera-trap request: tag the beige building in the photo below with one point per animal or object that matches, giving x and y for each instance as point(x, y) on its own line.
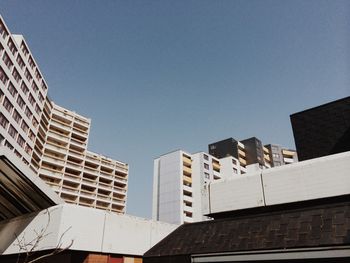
point(50, 139)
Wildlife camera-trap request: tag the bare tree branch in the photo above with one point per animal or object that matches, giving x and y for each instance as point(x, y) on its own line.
point(29, 248)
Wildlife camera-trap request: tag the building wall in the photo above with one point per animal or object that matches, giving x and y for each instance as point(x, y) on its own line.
point(168, 173)
point(90, 229)
point(22, 93)
point(322, 130)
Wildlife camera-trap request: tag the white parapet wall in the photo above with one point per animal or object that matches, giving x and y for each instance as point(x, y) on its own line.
point(323, 177)
point(89, 229)
point(236, 193)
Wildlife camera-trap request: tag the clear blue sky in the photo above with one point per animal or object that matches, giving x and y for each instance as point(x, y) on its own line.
point(155, 76)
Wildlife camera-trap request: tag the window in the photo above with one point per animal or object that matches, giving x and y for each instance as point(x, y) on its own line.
point(234, 170)
point(31, 135)
point(16, 75)
point(205, 157)
point(41, 98)
point(28, 113)
point(24, 127)
point(276, 155)
point(35, 122)
point(12, 131)
point(206, 175)
point(31, 100)
point(206, 166)
point(3, 76)
point(3, 121)
point(37, 109)
point(27, 75)
point(24, 88)
point(24, 49)
point(3, 30)
point(28, 149)
point(20, 102)
point(35, 87)
point(20, 141)
point(31, 63)
point(1, 49)
point(12, 90)
point(16, 116)
point(234, 162)
point(7, 104)
point(1, 95)
point(2, 138)
point(7, 61)
point(37, 75)
point(20, 61)
point(43, 86)
point(12, 46)
point(18, 154)
point(8, 145)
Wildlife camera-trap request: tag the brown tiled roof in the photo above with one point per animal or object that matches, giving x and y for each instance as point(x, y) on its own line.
point(322, 225)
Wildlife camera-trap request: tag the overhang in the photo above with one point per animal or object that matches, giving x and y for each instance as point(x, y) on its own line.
point(21, 191)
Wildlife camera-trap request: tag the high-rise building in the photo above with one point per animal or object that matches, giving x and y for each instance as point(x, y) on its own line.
point(180, 184)
point(181, 180)
point(252, 151)
point(22, 95)
point(50, 139)
point(322, 130)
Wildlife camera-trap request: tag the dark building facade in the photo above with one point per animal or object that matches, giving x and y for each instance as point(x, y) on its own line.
point(254, 151)
point(322, 130)
point(224, 148)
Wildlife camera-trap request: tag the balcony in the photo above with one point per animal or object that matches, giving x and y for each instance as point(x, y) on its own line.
point(187, 188)
point(186, 161)
point(187, 179)
point(266, 151)
point(242, 161)
point(288, 160)
point(241, 153)
point(52, 147)
point(187, 170)
point(49, 173)
point(60, 125)
point(188, 208)
point(216, 166)
point(188, 198)
point(288, 153)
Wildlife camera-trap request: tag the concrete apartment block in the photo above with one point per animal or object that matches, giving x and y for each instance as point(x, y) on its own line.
point(50, 139)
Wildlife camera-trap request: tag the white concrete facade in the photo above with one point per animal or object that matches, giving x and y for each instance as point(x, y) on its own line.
point(90, 229)
point(50, 139)
point(323, 177)
point(181, 181)
point(22, 95)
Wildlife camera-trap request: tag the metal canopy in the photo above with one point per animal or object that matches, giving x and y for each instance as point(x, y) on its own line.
point(21, 191)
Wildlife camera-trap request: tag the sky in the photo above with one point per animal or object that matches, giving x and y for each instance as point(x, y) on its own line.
point(156, 76)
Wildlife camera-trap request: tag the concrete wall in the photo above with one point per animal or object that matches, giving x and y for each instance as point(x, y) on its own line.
point(90, 229)
point(168, 201)
point(317, 178)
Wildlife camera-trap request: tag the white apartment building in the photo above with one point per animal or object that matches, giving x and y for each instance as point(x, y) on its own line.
point(50, 139)
point(181, 181)
point(22, 95)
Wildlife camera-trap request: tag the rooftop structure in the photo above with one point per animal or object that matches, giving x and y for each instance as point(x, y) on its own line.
point(322, 130)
